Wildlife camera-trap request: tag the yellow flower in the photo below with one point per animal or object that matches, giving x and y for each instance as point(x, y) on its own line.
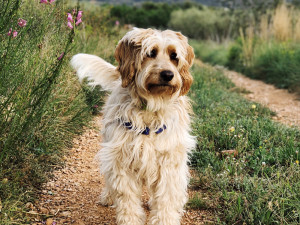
point(253, 106)
point(232, 129)
point(297, 162)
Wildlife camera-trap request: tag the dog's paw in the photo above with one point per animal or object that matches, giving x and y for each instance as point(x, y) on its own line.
point(105, 199)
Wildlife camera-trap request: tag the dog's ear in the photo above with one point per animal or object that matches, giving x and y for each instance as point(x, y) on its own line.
point(187, 78)
point(126, 53)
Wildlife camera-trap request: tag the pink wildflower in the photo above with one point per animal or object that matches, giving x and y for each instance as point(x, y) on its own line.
point(78, 22)
point(15, 33)
point(9, 32)
point(21, 22)
point(51, 1)
point(70, 19)
point(73, 11)
point(44, 1)
point(117, 23)
point(70, 25)
point(60, 57)
point(79, 15)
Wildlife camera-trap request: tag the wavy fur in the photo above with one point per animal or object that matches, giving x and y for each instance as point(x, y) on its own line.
point(129, 159)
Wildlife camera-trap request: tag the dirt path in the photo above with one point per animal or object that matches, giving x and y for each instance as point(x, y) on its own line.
point(71, 197)
point(285, 104)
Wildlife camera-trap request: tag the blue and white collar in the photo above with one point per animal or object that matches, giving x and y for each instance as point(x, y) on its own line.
point(146, 131)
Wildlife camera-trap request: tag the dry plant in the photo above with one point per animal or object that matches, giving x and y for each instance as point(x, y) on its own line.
point(248, 48)
point(264, 28)
point(297, 30)
point(282, 23)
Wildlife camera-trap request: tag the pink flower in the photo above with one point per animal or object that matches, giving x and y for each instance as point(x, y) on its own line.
point(70, 25)
point(74, 11)
point(60, 57)
point(117, 23)
point(70, 19)
point(78, 22)
point(15, 33)
point(44, 1)
point(9, 32)
point(21, 22)
point(79, 15)
point(51, 1)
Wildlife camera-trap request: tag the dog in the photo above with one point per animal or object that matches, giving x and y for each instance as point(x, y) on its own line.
point(146, 124)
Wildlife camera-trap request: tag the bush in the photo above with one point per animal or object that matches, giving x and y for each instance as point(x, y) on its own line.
point(201, 24)
point(275, 63)
point(148, 15)
point(211, 52)
point(42, 105)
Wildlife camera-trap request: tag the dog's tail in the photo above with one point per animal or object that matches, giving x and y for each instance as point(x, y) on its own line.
point(96, 70)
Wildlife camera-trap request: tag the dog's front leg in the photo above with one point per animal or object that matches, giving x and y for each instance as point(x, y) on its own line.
point(127, 193)
point(169, 192)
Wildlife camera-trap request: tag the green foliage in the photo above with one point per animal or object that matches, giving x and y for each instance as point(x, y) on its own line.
point(261, 184)
point(209, 51)
point(201, 24)
point(41, 102)
point(275, 63)
point(148, 14)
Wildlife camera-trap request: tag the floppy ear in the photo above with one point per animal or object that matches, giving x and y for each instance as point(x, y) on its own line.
point(126, 53)
point(187, 78)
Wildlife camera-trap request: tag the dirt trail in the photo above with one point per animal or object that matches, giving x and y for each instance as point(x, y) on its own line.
point(71, 197)
point(285, 104)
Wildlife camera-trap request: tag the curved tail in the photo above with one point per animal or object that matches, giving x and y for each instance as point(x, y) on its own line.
point(96, 70)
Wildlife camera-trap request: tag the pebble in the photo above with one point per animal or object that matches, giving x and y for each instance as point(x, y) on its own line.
point(49, 221)
point(66, 213)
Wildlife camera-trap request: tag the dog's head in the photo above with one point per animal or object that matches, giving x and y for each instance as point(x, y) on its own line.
point(155, 62)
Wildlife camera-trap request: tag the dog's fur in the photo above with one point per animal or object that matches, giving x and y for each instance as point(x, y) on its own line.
point(129, 159)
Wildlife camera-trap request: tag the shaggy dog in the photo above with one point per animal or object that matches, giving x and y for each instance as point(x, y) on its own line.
point(146, 124)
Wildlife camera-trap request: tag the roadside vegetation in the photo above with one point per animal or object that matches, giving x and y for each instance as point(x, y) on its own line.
point(42, 104)
point(268, 49)
point(257, 182)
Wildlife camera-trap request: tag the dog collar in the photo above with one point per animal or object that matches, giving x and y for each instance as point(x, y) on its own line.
point(146, 131)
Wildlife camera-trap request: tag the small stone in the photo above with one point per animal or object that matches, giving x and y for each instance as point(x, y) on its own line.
point(29, 205)
point(49, 221)
point(66, 213)
point(43, 210)
point(79, 222)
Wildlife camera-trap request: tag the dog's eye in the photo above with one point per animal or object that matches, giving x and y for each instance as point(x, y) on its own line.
point(173, 56)
point(152, 54)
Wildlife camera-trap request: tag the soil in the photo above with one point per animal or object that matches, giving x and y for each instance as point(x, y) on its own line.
point(71, 197)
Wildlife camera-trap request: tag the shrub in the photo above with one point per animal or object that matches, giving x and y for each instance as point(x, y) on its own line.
point(201, 24)
point(42, 106)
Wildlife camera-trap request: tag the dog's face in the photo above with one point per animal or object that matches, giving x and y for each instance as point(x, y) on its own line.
point(155, 62)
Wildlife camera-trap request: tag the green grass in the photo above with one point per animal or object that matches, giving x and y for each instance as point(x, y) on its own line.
point(211, 52)
point(260, 185)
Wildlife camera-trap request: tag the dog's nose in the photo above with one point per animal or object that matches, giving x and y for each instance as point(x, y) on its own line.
point(166, 75)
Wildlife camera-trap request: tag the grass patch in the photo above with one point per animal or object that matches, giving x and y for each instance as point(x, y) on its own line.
point(261, 184)
point(211, 52)
point(197, 202)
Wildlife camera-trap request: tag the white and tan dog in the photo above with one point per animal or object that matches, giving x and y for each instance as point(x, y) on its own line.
point(146, 124)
